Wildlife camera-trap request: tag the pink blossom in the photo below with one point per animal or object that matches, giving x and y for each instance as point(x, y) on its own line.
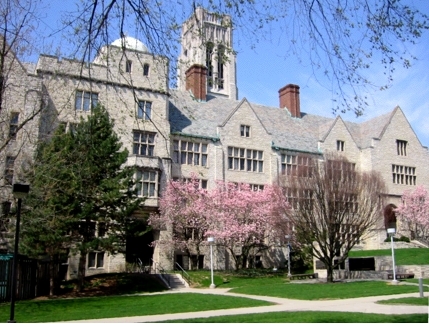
point(415, 209)
point(234, 214)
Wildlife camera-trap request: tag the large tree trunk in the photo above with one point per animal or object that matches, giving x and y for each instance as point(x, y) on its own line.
point(237, 259)
point(52, 277)
point(243, 262)
point(81, 271)
point(198, 254)
point(330, 273)
point(237, 263)
point(188, 253)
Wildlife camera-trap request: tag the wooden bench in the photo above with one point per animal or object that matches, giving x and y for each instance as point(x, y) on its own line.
point(401, 276)
point(304, 276)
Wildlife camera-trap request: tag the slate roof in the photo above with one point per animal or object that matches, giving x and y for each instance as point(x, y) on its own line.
point(373, 128)
point(198, 118)
point(201, 119)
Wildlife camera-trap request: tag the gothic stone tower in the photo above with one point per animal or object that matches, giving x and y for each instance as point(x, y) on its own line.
point(207, 60)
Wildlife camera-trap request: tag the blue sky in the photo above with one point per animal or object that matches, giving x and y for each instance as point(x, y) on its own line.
point(262, 69)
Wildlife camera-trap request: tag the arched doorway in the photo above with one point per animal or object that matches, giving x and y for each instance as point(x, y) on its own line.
point(389, 217)
point(138, 240)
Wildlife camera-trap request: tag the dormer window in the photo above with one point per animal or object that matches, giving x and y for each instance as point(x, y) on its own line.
point(128, 65)
point(244, 131)
point(340, 146)
point(401, 147)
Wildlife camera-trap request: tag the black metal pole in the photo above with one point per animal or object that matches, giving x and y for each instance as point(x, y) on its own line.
point(15, 265)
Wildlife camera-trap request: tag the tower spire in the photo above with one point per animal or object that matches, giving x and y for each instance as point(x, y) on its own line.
point(207, 41)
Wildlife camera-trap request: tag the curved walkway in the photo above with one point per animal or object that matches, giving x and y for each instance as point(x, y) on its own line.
point(362, 305)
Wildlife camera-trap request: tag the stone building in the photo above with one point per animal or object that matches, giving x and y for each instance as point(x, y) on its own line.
point(21, 99)
point(201, 127)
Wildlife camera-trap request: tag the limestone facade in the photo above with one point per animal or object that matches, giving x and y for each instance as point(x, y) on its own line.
point(201, 127)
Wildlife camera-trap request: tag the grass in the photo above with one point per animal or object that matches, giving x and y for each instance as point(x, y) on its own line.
point(202, 279)
point(279, 286)
point(320, 291)
point(425, 281)
point(270, 285)
point(120, 306)
point(411, 256)
point(417, 301)
point(310, 317)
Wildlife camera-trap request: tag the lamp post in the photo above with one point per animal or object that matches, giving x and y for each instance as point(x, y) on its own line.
point(211, 240)
point(391, 232)
point(19, 191)
point(288, 255)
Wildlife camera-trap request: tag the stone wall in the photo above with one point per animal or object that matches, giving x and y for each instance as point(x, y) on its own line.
point(113, 263)
point(383, 267)
point(420, 271)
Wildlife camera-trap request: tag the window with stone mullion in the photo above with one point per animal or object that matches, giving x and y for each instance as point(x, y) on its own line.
point(241, 159)
point(143, 143)
point(146, 183)
point(191, 153)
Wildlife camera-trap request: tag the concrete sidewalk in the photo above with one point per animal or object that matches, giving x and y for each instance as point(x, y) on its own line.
point(361, 305)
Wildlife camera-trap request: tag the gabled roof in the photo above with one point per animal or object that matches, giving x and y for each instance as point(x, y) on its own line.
point(297, 134)
point(202, 119)
point(191, 117)
point(242, 102)
point(372, 128)
point(352, 128)
point(13, 58)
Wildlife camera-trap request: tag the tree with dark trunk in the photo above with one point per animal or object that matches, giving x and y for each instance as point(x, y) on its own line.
point(333, 206)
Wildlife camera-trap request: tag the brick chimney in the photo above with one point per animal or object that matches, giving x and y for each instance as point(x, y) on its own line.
point(196, 80)
point(289, 98)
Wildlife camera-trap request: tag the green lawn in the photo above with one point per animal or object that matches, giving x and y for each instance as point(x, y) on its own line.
point(120, 306)
point(419, 301)
point(327, 291)
point(310, 317)
point(202, 279)
point(425, 281)
point(279, 286)
point(412, 256)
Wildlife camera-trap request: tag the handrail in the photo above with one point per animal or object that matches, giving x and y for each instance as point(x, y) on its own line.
point(185, 275)
point(162, 272)
point(422, 240)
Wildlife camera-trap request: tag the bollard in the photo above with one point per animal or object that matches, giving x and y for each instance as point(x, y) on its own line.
point(421, 286)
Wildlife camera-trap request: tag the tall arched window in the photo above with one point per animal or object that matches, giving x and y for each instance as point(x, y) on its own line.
point(220, 66)
point(209, 63)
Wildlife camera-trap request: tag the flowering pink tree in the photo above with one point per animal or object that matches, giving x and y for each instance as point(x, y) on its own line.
point(414, 209)
point(182, 211)
point(245, 221)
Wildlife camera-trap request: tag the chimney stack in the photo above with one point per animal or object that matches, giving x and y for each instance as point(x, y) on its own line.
point(196, 81)
point(289, 98)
